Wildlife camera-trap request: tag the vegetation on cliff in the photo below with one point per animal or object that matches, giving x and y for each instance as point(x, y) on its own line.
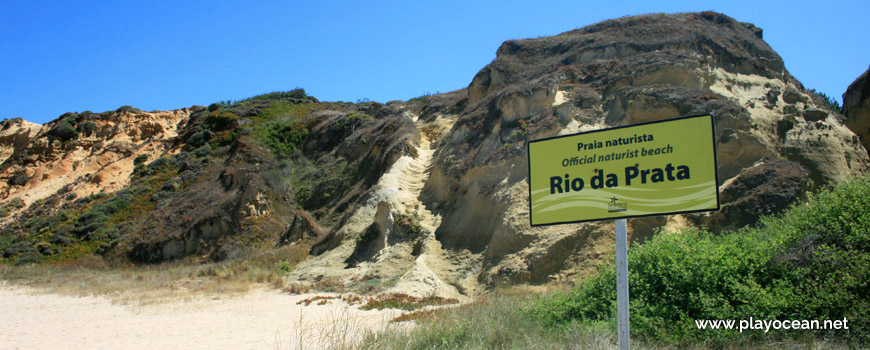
point(811, 263)
point(235, 173)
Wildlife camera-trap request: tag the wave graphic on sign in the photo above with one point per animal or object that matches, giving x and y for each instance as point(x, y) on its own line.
point(696, 196)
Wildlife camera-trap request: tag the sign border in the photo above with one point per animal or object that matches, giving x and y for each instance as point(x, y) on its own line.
point(715, 172)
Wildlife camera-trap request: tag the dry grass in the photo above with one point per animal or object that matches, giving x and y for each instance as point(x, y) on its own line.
point(329, 285)
point(159, 283)
point(497, 321)
point(340, 331)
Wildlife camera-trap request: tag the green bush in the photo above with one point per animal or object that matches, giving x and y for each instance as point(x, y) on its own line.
point(409, 223)
point(198, 139)
point(86, 200)
point(128, 109)
point(811, 263)
point(10, 206)
point(140, 159)
point(422, 99)
point(284, 266)
point(70, 117)
point(112, 206)
point(784, 124)
point(826, 101)
point(202, 151)
point(87, 128)
point(63, 130)
point(19, 178)
point(220, 121)
point(283, 137)
point(296, 93)
point(100, 213)
point(368, 235)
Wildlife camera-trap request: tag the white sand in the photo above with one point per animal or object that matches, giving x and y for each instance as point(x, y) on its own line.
point(257, 320)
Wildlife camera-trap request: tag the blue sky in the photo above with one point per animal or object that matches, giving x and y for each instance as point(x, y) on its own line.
point(60, 56)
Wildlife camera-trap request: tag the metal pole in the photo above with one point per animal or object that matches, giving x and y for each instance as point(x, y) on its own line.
point(622, 284)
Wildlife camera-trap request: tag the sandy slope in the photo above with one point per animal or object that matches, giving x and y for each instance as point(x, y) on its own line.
point(257, 320)
point(416, 262)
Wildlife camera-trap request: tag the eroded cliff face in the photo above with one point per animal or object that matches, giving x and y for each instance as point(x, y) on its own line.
point(473, 209)
point(79, 155)
point(856, 107)
point(202, 184)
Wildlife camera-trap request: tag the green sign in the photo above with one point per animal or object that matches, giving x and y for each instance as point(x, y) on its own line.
point(656, 168)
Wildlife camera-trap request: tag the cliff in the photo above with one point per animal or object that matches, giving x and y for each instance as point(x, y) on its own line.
point(772, 139)
point(856, 108)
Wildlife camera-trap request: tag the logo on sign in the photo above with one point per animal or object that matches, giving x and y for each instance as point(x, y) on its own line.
point(616, 206)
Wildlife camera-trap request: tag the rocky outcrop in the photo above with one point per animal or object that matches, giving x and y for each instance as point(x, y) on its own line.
point(15, 134)
point(856, 108)
point(303, 227)
point(622, 72)
point(766, 188)
point(83, 154)
point(246, 197)
point(472, 208)
point(199, 183)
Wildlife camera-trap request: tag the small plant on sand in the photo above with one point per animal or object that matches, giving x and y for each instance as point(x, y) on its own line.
point(404, 302)
point(409, 223)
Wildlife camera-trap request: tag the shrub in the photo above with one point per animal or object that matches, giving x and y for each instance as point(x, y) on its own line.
point(303, 195)
point(86, 200)
point(202, 151)
point(128, 109)
point(138, 169)
point(826, 101)
point(100, 213)
point(220, 120)
point(70, 117)
point(283, 138)
point(784, 124)
point(10, 206)
point(811, 263)
point(278, 111)
point(63, 131)
point(422, 99)
point(368, 235)
point(198, 139)
point(142, 158)
point(409, 223)
point(111, 207)
point(284, 266)
point(160, 162)
point(19, 178)
point(87, 128)
point(354, 117)
point(297, 93)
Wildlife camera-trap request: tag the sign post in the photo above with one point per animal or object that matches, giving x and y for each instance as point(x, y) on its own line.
point(657, 168)
point(622, 285)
